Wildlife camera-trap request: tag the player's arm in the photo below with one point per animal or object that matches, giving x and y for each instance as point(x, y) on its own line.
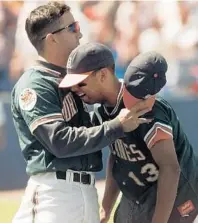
point(158, 136)
point(47, 124)
point(65, 141)
point(110, 194)
point(169, 171)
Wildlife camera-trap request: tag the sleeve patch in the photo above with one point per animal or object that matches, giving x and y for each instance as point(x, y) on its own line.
point(44, 120)
point(158, 132)
point(27, 99)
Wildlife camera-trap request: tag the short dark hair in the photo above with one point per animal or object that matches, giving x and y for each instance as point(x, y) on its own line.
point(43, 20)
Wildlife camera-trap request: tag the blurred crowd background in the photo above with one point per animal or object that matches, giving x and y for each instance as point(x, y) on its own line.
point(127, 27)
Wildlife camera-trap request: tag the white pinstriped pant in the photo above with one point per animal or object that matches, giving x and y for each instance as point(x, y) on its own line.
point(51, 200)
point(196, 220)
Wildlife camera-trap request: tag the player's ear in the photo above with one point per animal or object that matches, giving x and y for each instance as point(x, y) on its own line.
point(103, 75)
point(51, 39)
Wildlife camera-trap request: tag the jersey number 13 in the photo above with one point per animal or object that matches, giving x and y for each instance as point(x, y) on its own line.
point(150, 169)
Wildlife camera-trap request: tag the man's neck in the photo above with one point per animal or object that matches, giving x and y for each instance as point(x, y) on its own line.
point(115, 93)
point(53, 61)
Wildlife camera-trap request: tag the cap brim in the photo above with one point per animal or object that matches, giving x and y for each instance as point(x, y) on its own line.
point(72, 79)
point(129, 100)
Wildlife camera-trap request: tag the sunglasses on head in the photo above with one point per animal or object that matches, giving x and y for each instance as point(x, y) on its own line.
point(73, 28)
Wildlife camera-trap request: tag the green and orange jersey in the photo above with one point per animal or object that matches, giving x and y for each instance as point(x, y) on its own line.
point(53, 125)
point(134, 168)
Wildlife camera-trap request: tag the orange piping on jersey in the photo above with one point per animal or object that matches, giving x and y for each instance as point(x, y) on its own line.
point(46, 119)
point(158, 132)
point(160, 135)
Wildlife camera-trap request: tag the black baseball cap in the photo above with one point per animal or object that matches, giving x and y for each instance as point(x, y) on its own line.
point(85, 59)
point(144, 77)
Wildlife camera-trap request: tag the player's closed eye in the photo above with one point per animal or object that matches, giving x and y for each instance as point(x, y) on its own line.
point(82, 84)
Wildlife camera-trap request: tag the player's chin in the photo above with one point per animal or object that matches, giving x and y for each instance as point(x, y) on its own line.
point(74, 45)
point(87, 100)
point(77, 43)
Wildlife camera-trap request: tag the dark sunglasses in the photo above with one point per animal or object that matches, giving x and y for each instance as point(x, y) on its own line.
point(73, 28)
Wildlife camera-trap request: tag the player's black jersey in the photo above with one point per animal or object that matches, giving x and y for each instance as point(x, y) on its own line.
point(134, 166)
point(135, 169)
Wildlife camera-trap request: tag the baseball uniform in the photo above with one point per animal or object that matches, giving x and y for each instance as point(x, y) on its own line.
point(61, 153)
point(134, 169)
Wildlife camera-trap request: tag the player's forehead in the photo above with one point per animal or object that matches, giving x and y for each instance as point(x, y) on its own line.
point(67, 18)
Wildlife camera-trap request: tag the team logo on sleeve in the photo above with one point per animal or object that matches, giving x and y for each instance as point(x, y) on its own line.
point(27, 99)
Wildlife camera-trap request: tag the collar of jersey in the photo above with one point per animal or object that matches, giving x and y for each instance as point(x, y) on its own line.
point(51, 68)
point(119, 99)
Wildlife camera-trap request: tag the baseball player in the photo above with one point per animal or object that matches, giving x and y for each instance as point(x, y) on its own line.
point(61, 149)
point(154, 167)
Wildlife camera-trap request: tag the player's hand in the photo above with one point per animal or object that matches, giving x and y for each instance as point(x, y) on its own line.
point(130, 118)
point(104, 218)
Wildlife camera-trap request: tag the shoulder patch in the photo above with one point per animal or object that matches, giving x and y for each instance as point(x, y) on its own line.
point(27, 99)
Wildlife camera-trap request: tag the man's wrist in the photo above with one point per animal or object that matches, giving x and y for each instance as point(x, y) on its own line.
point(114, 129)
point(106, 208)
